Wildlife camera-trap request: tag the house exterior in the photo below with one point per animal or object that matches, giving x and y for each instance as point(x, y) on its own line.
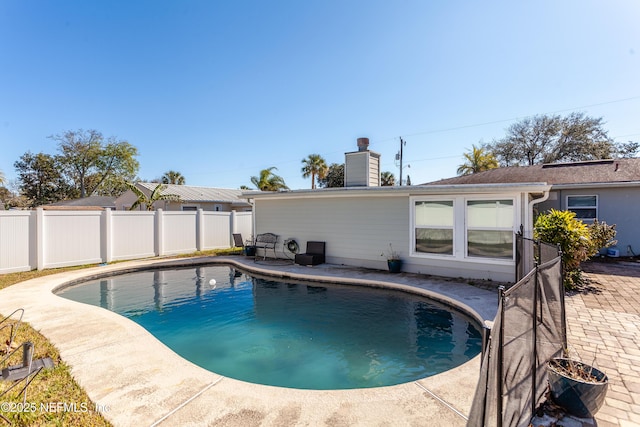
point(606, 190)
point(447, 230)
point(191, 198)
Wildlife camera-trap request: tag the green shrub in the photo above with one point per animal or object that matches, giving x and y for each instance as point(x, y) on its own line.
point(578, 241)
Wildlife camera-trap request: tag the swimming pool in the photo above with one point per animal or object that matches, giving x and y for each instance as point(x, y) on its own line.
point(298, 335)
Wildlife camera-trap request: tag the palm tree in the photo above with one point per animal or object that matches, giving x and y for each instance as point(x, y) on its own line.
point(387, 179)
point(268, 181)
point(2, 178)
point(477, 160)
point(173, 177)
point(148, 201)
point(314, 166)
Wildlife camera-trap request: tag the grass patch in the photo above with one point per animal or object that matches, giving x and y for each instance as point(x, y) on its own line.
point(13, 278)
point(50, 389)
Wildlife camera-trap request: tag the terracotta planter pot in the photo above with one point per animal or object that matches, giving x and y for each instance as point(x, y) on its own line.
point(581, 398)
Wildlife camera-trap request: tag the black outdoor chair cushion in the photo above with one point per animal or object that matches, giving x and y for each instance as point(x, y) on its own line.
point(313, 256)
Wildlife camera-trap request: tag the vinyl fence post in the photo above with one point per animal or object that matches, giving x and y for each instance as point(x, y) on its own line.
point(200, 230)
point(159, 233)
point(107, 238)
point(40, 238)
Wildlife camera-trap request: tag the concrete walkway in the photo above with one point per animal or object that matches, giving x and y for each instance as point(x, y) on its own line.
point(138, 381)
point(604, 328)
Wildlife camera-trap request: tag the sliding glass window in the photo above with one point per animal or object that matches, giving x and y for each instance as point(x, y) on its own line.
point(434, 227)
point(585, 207)
point(490, 228)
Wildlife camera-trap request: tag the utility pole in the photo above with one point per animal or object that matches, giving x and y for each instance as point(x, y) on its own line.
point(401, 144)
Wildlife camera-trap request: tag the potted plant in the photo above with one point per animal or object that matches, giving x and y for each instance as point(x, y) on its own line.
point(577, 387)
point(394, 263)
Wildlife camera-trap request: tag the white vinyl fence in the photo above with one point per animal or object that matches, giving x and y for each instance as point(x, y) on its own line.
point(48, 239)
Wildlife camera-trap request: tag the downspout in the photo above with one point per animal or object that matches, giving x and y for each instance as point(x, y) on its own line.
point(529, 213)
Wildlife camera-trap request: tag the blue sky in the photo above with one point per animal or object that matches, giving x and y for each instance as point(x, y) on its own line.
point(219, 90)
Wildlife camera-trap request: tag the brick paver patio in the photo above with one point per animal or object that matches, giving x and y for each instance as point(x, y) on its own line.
point(604, 329)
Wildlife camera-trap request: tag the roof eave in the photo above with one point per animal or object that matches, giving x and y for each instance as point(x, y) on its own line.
point(621, 184)
point(531, 187)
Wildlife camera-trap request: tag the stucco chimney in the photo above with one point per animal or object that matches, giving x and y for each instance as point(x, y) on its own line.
point(363, 144)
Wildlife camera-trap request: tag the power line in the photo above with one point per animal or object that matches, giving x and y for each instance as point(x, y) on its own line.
point(508, 120)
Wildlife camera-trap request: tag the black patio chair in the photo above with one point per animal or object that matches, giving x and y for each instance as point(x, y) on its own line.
point(237, 240)
point(314, 254)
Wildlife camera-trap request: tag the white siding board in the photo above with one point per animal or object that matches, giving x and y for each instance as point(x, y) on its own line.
point(358, 231)
point(353, 228)
point(356, 170)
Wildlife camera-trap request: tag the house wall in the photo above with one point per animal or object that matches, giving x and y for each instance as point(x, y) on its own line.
point(206, 206)
point(618, 205)
point(125, 201)
point(358, 231)
point(128, 198)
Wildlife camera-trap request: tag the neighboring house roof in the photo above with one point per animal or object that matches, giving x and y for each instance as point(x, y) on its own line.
point(85, 202)
point(589, 172)
point(190, 194)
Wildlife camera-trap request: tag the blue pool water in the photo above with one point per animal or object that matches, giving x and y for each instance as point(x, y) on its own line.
point(299, 335)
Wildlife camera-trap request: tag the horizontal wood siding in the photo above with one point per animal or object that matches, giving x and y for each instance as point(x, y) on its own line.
point(356, 170)
point(374, 171)
point(356, 229)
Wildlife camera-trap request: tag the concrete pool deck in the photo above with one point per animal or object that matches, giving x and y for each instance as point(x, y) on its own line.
point(136, 380)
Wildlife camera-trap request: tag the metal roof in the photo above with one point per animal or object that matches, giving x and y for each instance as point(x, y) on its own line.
point(188, 193)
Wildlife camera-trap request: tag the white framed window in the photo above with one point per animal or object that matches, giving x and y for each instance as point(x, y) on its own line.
point(585, 207)
point(489, 228)
point(464, 228)
point(434, 229)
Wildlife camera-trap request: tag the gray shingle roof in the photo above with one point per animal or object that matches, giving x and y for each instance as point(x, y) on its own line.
point(93, 201)
point(597, 171)
point(188, 193)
